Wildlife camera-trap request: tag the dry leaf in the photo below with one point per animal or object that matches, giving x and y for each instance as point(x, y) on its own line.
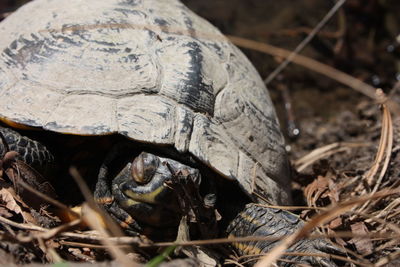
point(7, 196)
point(334, 190)
point(314, 191)
point(335, 223)
point(363, 245)
point(5, 212)
point(15, 204)
point(338, 240)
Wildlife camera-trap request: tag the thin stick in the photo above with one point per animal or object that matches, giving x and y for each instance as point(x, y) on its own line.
point(92, 212)
point(301, 45)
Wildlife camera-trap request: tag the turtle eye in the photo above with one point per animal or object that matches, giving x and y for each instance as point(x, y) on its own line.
point(144, 167)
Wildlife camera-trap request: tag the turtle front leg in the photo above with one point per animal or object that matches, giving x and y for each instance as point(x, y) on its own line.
point(30, 151)
point(262, 221)
point(26, 160)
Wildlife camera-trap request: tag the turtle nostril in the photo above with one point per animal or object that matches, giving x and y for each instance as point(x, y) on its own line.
point(144, 167)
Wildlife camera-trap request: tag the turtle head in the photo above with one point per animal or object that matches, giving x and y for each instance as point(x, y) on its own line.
point(143, 189)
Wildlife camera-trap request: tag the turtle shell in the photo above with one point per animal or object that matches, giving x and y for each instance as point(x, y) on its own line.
point(150, 70)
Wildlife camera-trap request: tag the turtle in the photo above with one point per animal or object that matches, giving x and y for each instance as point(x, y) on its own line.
point(184, 98)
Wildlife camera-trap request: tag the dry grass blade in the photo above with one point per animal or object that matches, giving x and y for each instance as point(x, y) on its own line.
point(307, 62)
point(390, 210)
point(387, 259)
point(316, 221)
point(129, 240)
point(323, 152)
point(382, 157)
point(309, 37)
point(92, 212)
point(46, 234)
point(123, 240)
point(387, 133)
point(374, 218)
point(111, 225)
point(89, 245)
point(96, 224)
point(47, 198)
point(23, 226)
point(369, 176)
point(291, 207)
point(347, 234)
point(315, 66)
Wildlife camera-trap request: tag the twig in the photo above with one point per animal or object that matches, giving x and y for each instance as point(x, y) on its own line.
point(324, 151)
point(23, 226)
point(300, 46)
point(46, 234)
point(383, 154)
point(47, 198)
point(93, 210)
point(315, 66)
point(388, 259)
point(93, 237)
point(88, 245)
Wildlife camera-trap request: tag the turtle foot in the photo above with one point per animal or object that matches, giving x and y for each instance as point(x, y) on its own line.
point(275, 224)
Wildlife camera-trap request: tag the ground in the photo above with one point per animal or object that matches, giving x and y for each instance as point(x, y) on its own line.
point(361, 40)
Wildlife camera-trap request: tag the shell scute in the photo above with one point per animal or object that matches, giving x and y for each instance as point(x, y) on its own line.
point(150, 70)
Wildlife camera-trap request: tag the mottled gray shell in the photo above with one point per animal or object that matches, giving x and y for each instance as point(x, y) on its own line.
point(150, 70)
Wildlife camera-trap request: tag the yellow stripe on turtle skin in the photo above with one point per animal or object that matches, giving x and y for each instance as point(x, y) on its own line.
point(128, 203)
point(245, 248)
point(147, 198)
point(250, 219)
